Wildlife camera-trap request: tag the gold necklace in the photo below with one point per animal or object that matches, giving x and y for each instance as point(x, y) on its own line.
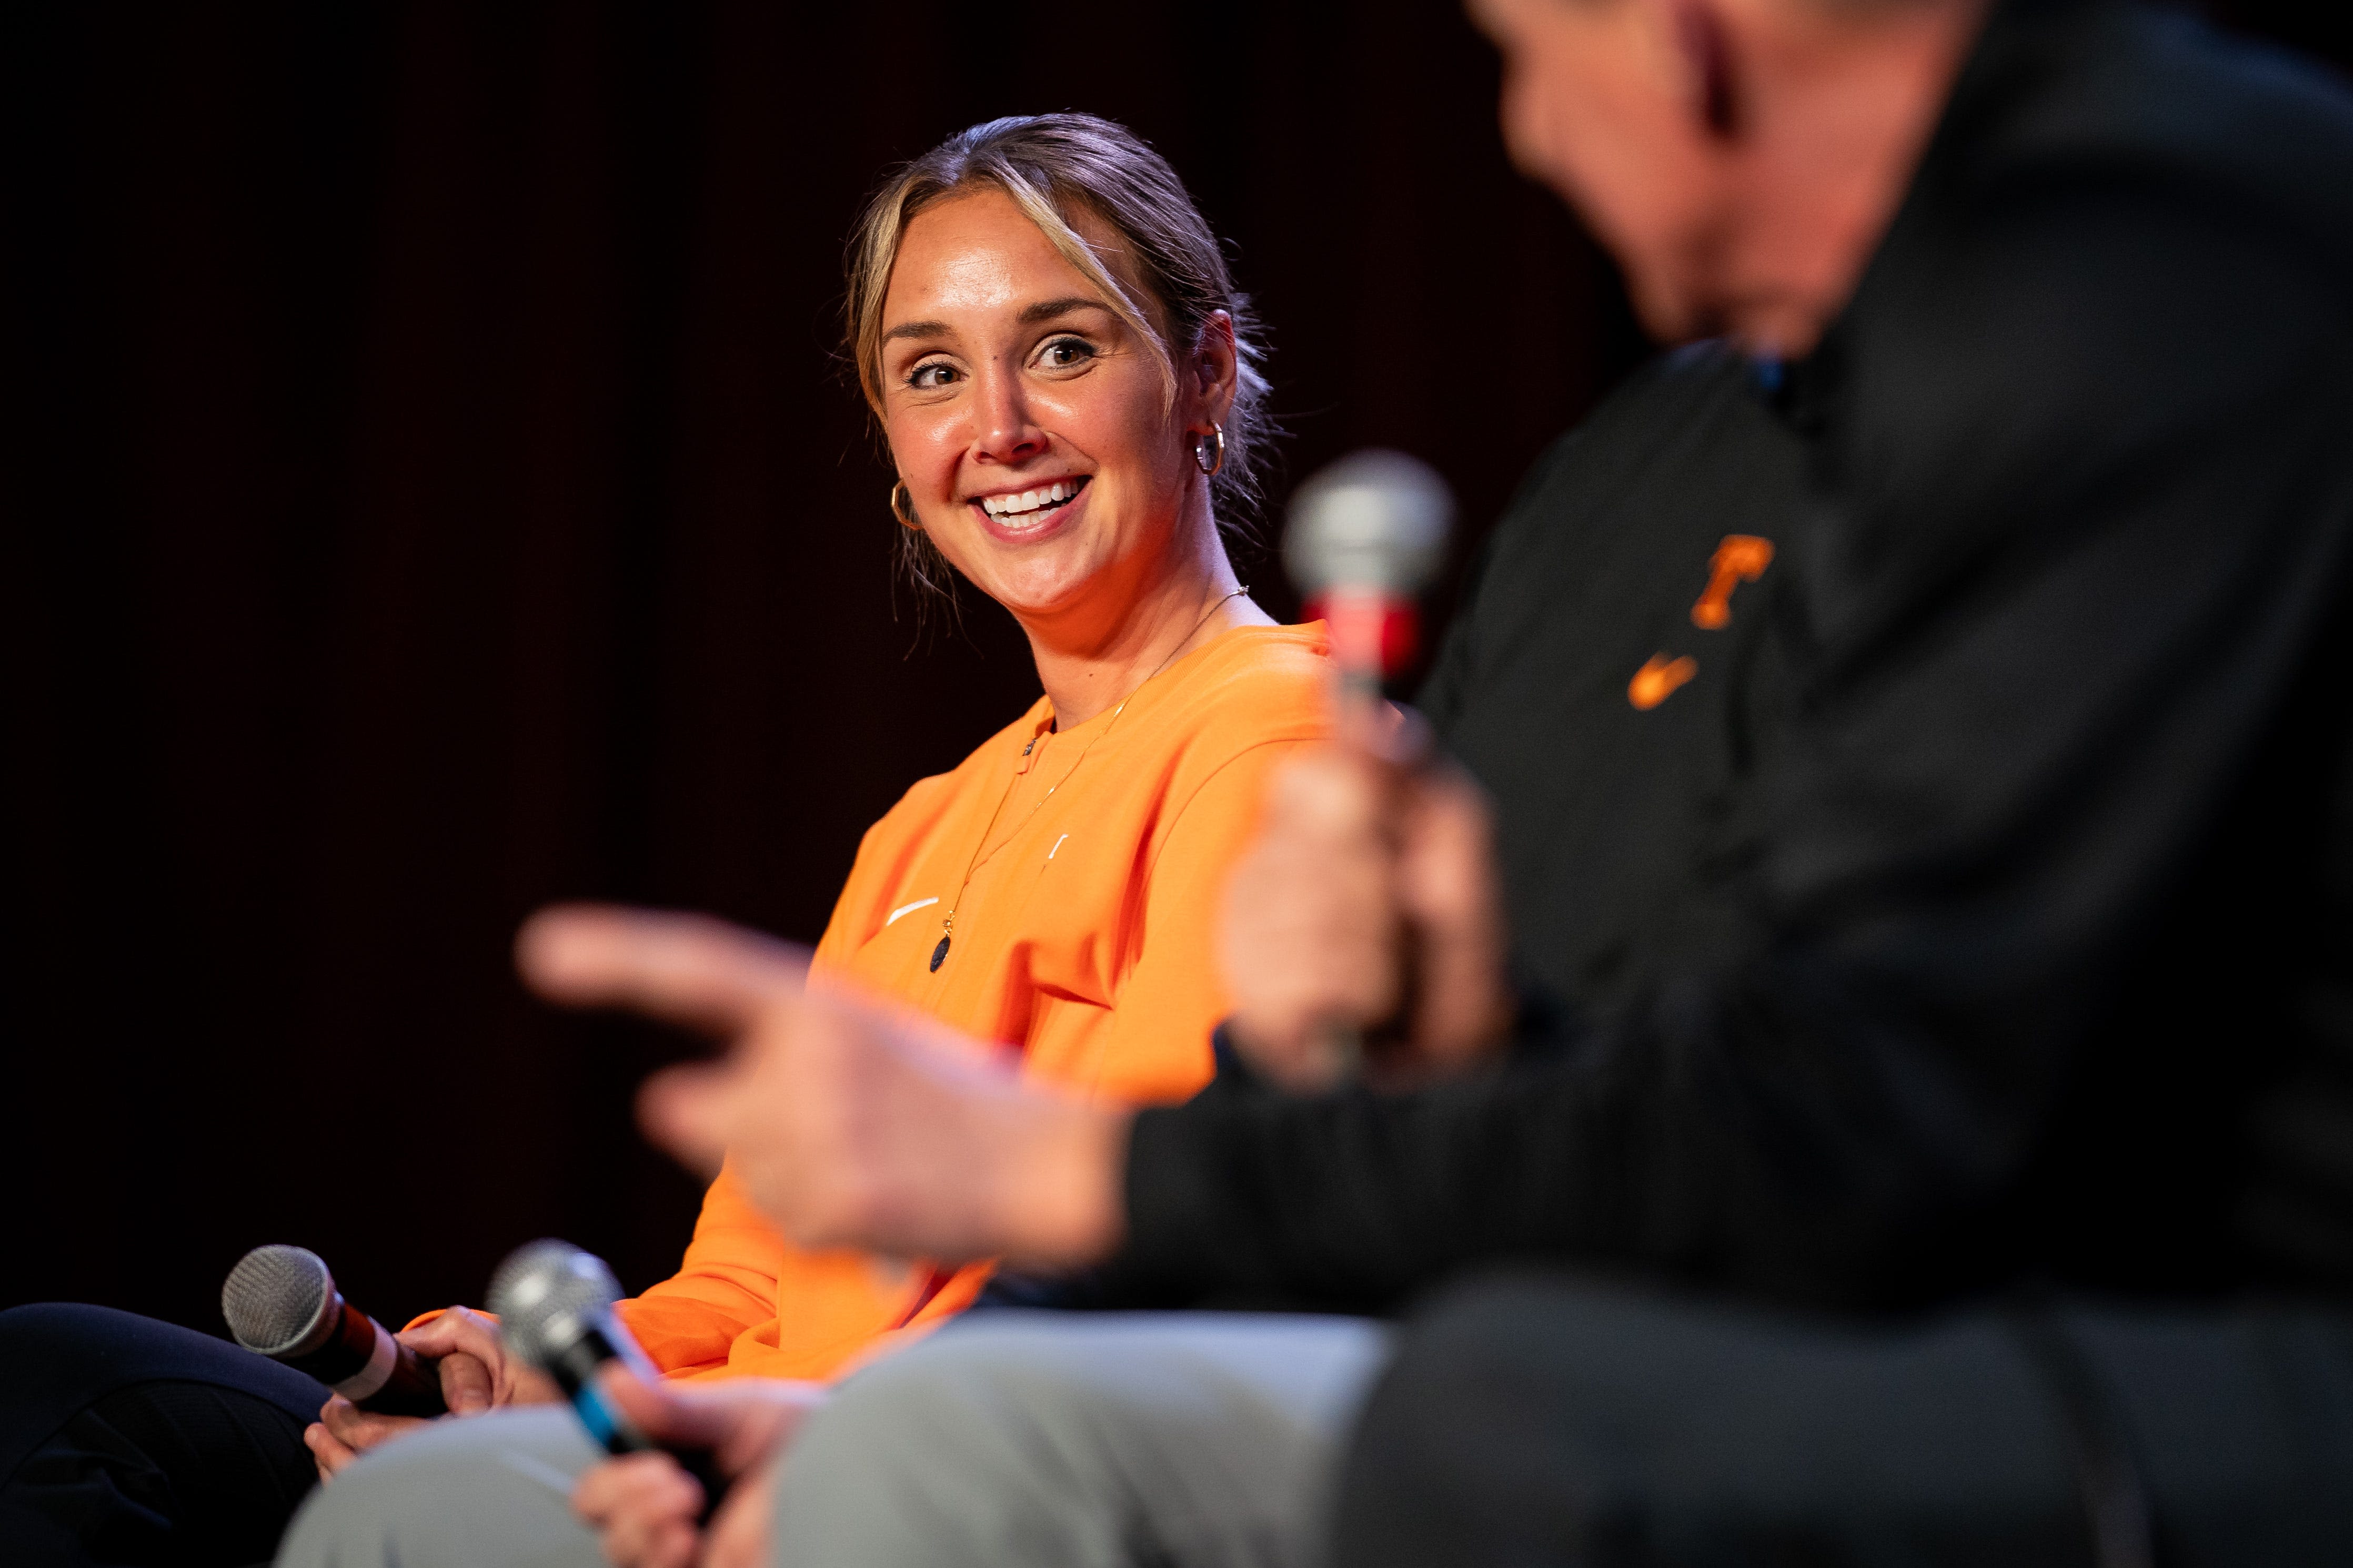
point(947, 924)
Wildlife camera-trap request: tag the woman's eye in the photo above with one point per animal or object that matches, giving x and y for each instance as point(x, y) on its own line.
point(1062, 353)
point(932, 377)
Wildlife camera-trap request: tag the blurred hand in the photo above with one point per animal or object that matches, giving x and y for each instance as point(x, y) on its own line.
point(849, 1125)
point(476, 1375)
point(1369, 903)
point(647, 1511)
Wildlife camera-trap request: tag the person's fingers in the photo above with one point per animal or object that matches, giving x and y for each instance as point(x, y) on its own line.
point(1309, 936)
point(1388, 733)
point(761, 1442)
point(606, 1487)
point(742, 1422)
point(464, 1334)
point(457, 1332)
point(644, 1508)
point(341, 1418)
point(468, 1387)
point(1448, 843)
point(1451, 894)
point(359, 1429)
point(656, 1543)
point(326, 1453)
point(665, 1414)
point(476, 1372)
point(526, 1384)
point(686, 1110)
point(685, 969)
point(455, 1328)
point(1325, 795)
point(739, 1531)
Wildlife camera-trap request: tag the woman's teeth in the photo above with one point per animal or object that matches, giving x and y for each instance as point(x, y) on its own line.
point(1052, 495)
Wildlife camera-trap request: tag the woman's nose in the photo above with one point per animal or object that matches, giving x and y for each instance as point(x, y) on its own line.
point(1006, 434)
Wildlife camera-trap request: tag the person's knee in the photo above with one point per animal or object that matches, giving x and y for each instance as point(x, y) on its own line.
point(1550, 1415)
point(1054, 1440)
point(1446, 1440)
point(44, 1332)
point(59, 1356)
point(996, 1441)
point(915, 1409)
point(934, 1455)
point(1076, 1388)
point(485, 1488)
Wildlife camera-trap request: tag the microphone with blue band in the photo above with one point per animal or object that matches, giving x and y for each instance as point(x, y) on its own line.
point(555, 1306)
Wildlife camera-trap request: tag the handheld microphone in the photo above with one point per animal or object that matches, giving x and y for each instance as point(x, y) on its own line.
point(1366, 535)
point(282, 1302)
point(555, 1306)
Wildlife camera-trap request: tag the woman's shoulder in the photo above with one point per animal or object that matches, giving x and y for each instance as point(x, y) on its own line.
point(1274, 673)
point(934, 792)
point(1250, 687)
point(895, 841)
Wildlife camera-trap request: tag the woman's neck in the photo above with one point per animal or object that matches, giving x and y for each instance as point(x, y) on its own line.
point(1090, 664)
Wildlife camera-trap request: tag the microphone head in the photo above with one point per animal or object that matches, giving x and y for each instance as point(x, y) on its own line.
point(544, 1292)
point(277, 1299)
point(1374, 521)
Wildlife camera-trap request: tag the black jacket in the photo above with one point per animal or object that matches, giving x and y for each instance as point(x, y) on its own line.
point(1980, 903)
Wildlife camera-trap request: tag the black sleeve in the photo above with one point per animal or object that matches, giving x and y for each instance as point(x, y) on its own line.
point(2090, 499)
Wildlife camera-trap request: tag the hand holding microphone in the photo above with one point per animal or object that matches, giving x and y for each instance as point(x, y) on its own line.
point(1363, 930)
point(675, 1451)
point(282, 1302)
point(554, 1305)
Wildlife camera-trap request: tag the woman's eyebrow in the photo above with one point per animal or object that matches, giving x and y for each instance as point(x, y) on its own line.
point(1047, 309)
point(1043, 311)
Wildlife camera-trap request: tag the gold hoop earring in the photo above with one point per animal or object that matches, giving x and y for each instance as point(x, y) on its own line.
point(903, 505)
point(1210, 465)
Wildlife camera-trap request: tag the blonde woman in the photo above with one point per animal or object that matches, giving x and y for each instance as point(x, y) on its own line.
point(1064, 375)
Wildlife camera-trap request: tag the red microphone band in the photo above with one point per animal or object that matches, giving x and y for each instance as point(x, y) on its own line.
point(1373, 634)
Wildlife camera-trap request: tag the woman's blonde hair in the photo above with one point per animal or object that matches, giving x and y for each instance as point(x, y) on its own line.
point(1054, 166)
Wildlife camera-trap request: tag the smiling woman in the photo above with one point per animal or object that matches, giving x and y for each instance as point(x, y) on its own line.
point(1066, 383)
point(1130, 242)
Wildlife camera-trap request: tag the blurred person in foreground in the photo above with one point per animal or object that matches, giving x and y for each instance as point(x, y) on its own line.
point(1066, 381)
point(1913, 1108)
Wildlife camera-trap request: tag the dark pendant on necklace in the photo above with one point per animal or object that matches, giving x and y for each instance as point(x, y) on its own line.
point(939, 955)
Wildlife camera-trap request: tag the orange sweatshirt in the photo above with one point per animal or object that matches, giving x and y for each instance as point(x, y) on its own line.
point(1084, 941)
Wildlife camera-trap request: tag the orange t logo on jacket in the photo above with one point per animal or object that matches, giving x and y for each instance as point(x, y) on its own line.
point(1741, 558)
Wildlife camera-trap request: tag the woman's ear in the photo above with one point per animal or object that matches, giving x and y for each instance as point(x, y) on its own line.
point(1216, 368)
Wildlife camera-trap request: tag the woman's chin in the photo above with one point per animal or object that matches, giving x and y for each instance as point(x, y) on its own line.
point(1036, 589)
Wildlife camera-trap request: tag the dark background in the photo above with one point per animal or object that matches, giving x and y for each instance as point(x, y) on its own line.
point(430, 491)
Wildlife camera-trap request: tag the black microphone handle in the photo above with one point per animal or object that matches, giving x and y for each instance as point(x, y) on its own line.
point(364, 1362)
point(574, 1367)
point(413, 1387)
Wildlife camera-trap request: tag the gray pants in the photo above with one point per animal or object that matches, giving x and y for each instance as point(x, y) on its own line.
point(491, 1489)
point(1010, 1438)
point(1037, 1438)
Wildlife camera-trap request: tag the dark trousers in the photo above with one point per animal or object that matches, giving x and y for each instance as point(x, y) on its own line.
point(1536, 1421)
point(127, 1441)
